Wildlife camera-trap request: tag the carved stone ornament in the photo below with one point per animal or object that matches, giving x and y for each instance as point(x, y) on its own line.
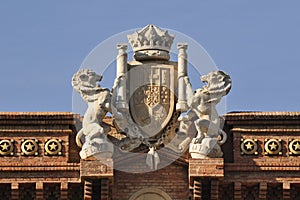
point(93, 135)
point(29, 147)
point(294, 147)
point(249, 146)
point(151, 43)
point(6, 147)
point(273, 147)
point(147, 98)
point(204, 116)
point(53, 147)
point(144, 112)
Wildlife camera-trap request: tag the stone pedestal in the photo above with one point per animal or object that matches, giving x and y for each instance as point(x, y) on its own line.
point(97, 148)
point(209, 147)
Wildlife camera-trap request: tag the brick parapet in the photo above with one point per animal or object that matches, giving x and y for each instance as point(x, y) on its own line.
point(40, 127)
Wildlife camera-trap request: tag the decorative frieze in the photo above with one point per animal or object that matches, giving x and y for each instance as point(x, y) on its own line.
point(30, 147)
point(270, 147)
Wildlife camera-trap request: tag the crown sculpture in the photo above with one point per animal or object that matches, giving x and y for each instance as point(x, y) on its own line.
point(147, 111)
point(151, 43)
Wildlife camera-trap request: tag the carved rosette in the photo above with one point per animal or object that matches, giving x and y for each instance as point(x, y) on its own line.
point(6, 147)
point(53, 147)
point(249, 146)
point(29, 147)
point(273, 147)
point(294, 147)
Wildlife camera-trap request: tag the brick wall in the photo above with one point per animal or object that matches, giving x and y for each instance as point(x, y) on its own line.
point(172, 179)
point(18, 167)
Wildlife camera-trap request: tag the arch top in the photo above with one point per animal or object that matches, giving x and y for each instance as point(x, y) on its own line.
point(150, 193)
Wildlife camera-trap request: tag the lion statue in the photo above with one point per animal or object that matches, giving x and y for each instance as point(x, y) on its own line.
point(203, 112)
point(93, 131)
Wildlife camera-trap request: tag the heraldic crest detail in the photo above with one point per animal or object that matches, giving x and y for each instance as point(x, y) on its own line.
point(152, 103)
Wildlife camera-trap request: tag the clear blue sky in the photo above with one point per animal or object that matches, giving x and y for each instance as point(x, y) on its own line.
point(43, 43)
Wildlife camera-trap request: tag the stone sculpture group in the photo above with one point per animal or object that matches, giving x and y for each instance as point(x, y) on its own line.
point(197, 109)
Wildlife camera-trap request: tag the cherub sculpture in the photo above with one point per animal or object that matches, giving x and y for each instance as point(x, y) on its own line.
point(203, 111)
point(94, 131)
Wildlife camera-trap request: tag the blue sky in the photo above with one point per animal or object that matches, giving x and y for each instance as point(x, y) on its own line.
point(43, 43)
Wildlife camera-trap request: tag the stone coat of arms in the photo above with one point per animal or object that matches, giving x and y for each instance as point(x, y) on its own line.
point(152, 102)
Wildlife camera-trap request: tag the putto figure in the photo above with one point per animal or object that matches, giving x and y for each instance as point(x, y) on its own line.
point(203, 112)
point(94, 131)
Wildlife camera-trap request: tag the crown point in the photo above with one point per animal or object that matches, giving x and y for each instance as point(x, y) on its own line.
point(151, 42)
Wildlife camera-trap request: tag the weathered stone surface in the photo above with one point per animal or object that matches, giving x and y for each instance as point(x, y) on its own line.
point(93, 130)
point(151, 43)
point(203, 114)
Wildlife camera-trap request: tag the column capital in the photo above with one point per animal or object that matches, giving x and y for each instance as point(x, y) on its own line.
point(183, 46)
point(122, 46)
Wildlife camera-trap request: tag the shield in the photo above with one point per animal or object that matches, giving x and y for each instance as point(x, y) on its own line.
point(152, 100)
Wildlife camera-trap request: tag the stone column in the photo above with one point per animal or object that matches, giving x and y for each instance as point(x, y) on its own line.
point(237, 191)
point(263, 191)
point(14, 191)
point(286, 190)
point(39, 191)
point(182, 72)
point(121, 75)
point(64, 191)
point(214, 191)
point(88, 187)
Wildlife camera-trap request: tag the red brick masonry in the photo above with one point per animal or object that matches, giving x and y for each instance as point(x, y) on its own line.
point(263, 173)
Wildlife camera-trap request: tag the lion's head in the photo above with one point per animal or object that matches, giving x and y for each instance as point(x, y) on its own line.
point(218, 85)
point(85, 79)
point(85, 82)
